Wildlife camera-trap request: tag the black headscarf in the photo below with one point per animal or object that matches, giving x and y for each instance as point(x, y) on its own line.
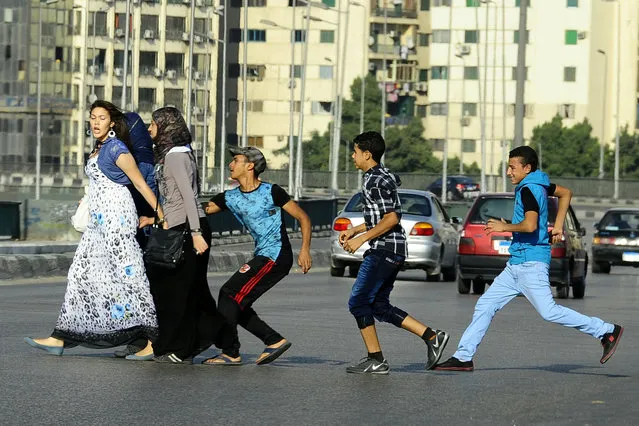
point(171, 132)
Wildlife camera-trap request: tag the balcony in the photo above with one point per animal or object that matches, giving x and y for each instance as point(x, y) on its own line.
point(396, 15)
point(392, 52)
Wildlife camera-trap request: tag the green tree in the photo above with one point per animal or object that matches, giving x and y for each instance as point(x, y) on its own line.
point(566, 151)
point(628, 156)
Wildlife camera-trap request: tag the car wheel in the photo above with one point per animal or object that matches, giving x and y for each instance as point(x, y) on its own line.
point(600, 267)
point(463, 286)
point(579, 288)
point(449, 274)
point(353, 270)
point(479, 286)
point(563, 291)
point(337, 272)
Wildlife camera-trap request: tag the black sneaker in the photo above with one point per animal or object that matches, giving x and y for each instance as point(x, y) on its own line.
point(609, 342)
point(369, 366)
point(436, 348)
point(172, 359)
point(453, 364)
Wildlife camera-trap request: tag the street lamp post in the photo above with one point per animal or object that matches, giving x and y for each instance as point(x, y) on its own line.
point(245, 76)
point(300, 137)
point(224, 12)
point(126, 53)
point(616, 191)
point(603, 114)
point(189, 83)
point(384, 72)
point(39, 101)
point(335, 105)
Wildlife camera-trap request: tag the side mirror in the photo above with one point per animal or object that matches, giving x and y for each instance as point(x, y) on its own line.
point(595, 225)
point(582, 231)
point(456, 220)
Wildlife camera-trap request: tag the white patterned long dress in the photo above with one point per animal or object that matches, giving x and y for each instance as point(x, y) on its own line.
point(107, 301)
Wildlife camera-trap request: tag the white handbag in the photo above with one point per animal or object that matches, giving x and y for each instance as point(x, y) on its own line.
point(80, 219)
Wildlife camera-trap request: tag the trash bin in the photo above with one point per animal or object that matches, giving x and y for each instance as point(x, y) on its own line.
point(10, 220)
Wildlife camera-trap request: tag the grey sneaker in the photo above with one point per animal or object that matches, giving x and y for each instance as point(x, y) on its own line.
point(369, 366)
point(435, 348)
point(172, 359)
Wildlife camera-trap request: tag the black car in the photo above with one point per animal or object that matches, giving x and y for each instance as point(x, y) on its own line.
point(616, 240)
point(459, 188)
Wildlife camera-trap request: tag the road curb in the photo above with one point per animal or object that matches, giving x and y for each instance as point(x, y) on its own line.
point(51, 265)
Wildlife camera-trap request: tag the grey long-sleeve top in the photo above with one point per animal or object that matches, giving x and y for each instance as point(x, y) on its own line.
point(178, 186)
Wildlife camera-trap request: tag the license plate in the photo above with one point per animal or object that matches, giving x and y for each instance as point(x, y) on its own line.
point(501, 246)
point(630, 257)
point(471, 194)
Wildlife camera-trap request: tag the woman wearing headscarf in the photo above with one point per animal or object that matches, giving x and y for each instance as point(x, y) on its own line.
point(107, 302)
point(142, 150)
point(187, 315)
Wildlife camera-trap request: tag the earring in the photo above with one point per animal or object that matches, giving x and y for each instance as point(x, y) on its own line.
point(89, 132)
point(111, 133)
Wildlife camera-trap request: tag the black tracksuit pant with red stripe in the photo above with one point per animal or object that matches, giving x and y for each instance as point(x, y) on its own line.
point(239, 293)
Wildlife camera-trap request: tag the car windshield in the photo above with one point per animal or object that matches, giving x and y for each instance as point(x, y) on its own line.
point(411, 204)
point(497, 208)
point(616, 221)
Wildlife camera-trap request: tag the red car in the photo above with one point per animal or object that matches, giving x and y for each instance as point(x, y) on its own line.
point(481, 257)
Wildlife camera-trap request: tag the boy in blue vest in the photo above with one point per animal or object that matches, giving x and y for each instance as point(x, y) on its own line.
point(258, 206)
point(527, 270)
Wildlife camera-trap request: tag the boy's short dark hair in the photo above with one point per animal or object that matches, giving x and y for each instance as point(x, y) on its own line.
point(527, 155)
point(372, 142)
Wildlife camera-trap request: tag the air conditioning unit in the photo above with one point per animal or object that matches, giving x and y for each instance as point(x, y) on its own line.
point(186, 1)
point(196, 75)
point(136, 1)
point(119, 32)
point(196, 110)
point(197, 39)
point(118, 72)
point(109, 1)
point(157, 72)
point(421, 87)
point(186, 37)
point(93, 69)
point(464, 49)
point(464, 121)
point(581, 35)
point(392, 34)
point(149, 34)
point(171, 74)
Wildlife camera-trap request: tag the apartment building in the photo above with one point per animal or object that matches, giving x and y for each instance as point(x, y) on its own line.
point(21, 43)
point(472, 59)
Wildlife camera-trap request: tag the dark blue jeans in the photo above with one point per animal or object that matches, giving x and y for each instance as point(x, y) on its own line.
point(370, 296)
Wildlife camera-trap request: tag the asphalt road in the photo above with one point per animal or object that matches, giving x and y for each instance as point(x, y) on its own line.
point(527, 371)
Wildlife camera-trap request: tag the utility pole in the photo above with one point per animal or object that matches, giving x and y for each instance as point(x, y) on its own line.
point(334, 152)
point(384, 73)
point(291, 118)
point(521, 73)
point(617, 109)
point(224, 66)
point(244, 75)
point(338, 123)
point(444, 193)
point(189, 82)
point(300, 137)
point(127, 22)
point(603, 114)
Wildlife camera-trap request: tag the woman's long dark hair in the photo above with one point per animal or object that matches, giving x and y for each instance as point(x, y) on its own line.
point(120, 126)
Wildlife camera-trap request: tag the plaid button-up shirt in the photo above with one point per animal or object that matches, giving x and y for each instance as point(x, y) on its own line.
point(379, 192)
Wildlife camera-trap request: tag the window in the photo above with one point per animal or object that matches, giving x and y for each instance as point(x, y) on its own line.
point(516, 36)
point(149, 22)
point(566, 111)
point(517, 3)
point(514, 73)
point(471, 73)
point(300, 36)
point(297, 71)
point(572, 3)
point(146, 99)
point(571, 37)
point(423, 75)
point(174, 97)
point(321, 107)
point(256, 141)
point(100, 28)
point(421, 110)
point(469, 145)
point(472, 3)
point(528, 110)
point(257, 35)
point(175, 61)
point(329, 3)
point(424, 4)
point(256, 3)
point(439, 73)
point(326, 72)
point(255, 72)
point(235, 35)
point(327, 36)
point(255, 106)
point(471, 36)
point(469, 110)
point(437, 3)
point(438, 144)
point(422, 39)
point(199, 25)
point(441, 36)
point(570, 74)
point(439, 108)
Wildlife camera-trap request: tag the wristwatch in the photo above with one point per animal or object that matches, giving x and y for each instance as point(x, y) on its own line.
point(197, 231)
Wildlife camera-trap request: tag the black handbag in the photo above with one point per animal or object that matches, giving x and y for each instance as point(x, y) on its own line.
point(165, 247)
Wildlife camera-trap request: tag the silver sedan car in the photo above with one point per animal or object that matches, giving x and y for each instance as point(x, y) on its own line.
point(431, 236)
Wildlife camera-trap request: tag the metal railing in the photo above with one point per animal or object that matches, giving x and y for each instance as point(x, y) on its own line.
point(396, 12)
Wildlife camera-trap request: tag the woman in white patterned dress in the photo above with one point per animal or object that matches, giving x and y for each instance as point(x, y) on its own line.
point(107, 301)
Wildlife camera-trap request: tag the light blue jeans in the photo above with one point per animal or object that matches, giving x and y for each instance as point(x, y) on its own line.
point(531, 280)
